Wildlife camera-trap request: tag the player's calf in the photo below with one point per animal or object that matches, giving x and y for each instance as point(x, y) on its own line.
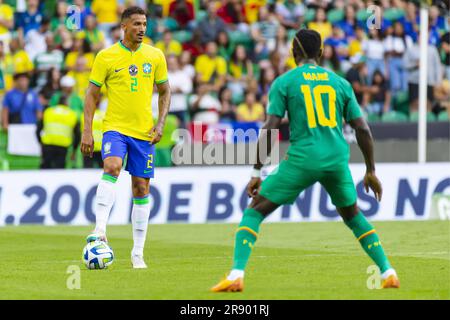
point(370, 242)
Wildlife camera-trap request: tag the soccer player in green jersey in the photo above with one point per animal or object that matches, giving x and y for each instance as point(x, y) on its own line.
point(316, 101)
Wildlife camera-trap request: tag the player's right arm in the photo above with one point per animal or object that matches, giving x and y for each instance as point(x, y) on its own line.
point(96, 80)
point(353, 116)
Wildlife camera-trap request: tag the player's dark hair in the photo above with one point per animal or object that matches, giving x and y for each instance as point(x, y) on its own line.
point(45, 20)
point(307, 44)
point(86, 46)
point(114, 28)
point(20, 75)
point(128, 12)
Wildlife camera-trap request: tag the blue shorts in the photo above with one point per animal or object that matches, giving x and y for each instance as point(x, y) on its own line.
point(140, 153)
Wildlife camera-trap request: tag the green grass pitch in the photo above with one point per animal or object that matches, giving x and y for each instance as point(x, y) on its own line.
point(290, 261)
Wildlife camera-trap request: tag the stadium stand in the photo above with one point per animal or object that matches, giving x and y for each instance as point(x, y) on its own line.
point(52, 39)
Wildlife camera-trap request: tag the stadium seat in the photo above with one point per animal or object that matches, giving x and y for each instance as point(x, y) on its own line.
point(393, 14)
point(291, 34)
point(373, 117)
point(4, 164)
point(443, 116)
point(78, 162)
point(14, 162)
point(309, 15)
point(200, 15)
point(182, 36)
point(414, 116)
point(335, 15)
point(163, 152)
point(363, 15)
point(394, 116)
point(237, 98)
point(400, 102)
point(171, 24)
point(169, 128)
point(238, 37)
point(163, 158)
point(23, 162)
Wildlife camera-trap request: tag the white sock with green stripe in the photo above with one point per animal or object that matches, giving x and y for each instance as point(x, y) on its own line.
point(139, 219)
point(106, 195)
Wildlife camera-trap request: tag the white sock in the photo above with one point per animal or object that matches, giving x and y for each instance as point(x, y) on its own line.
point(235, 273)
point(139, 219)
point(105, 197)
point(388, 273)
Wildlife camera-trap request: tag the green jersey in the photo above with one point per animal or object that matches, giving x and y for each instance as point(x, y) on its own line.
point(316, 101)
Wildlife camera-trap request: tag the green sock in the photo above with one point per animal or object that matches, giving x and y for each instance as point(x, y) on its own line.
point(366, 235)
point(246, 236)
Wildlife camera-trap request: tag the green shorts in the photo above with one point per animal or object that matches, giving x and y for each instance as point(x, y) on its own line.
point(288, 180)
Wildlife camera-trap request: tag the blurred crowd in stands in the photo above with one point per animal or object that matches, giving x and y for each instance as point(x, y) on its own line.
point(223, 55)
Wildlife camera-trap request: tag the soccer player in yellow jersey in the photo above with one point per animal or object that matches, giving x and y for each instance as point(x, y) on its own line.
point(128, 70)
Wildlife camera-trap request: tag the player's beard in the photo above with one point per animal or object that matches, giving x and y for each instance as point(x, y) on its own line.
point(139, 39)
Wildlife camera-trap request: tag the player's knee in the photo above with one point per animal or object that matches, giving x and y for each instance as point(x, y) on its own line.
point(140, 189)
point(348, 213)
point(263, 205)
point(113, 168)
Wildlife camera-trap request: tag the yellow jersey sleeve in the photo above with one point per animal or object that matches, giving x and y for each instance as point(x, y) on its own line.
point(221, 66)
point(198, 64)
point(99, 70)
point(161, 69)
point(7, 13)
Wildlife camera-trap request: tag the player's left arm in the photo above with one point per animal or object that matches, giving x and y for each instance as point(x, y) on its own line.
point(163, 107)
point(162, 84)
point(365, 143)
point(353, 116)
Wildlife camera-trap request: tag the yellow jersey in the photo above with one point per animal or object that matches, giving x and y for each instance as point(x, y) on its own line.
point(59, 123)
point(22, 62)
point(174, 47)
point(252, 9)
point(206, 67)
point(250, 114)
point(71, 59)
point(6, 13)
point(129, 77)
point(18, 62)
point(324, 28)
point(354, 48)
point(105, 10)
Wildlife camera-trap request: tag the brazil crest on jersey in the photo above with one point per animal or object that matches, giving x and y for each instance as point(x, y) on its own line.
point(129, 77)
point(316, 101)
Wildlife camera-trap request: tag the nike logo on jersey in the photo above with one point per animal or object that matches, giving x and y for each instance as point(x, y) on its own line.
point(117, 70)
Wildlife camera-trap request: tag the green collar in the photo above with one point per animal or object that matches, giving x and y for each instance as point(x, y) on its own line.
point(126, 48)
point(309, 64)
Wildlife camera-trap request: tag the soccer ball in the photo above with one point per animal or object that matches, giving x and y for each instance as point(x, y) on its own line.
point(97, 255)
